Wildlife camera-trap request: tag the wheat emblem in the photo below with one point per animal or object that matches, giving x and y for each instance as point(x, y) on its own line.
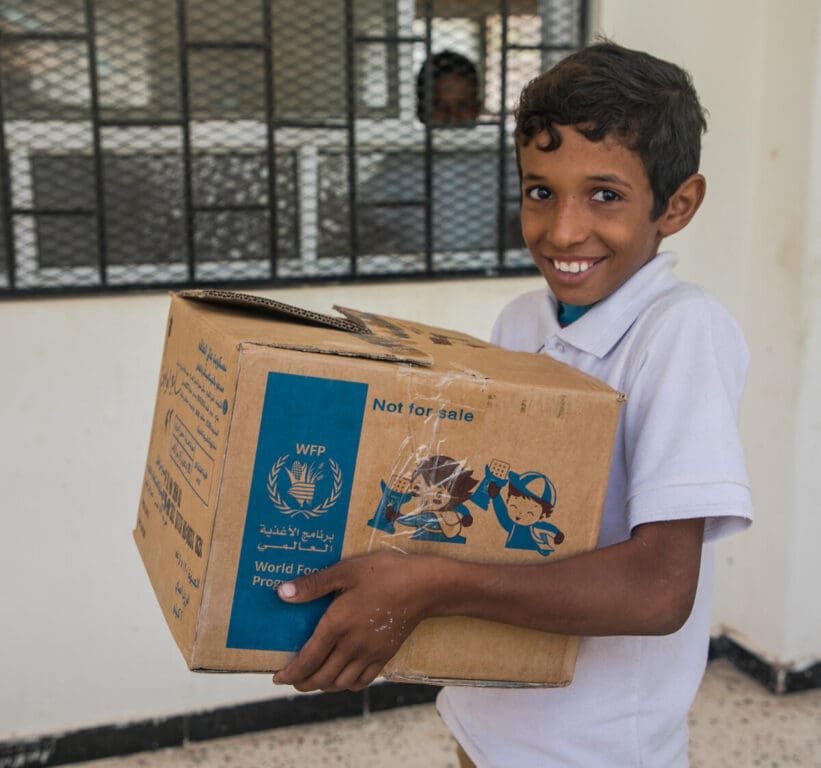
point(303, 477)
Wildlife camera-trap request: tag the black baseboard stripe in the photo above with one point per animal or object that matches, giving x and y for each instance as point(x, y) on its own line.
point(776, 678)
point(118, 740)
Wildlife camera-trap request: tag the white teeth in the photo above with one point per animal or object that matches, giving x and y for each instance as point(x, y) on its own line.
point(572, 266)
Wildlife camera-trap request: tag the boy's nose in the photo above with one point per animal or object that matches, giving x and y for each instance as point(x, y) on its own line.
point(567, 227)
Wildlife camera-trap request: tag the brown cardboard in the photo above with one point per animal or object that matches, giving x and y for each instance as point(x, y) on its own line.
point(284, 440)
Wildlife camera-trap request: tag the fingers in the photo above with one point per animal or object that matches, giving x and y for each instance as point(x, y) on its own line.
point(339, 670)
point(368, 676)
point(314, 585)
point(348, 647)
point(308, 661)
point(329, 677)
point(355, 677)
point(336, 675)
point(332, 661)
point(348, 678)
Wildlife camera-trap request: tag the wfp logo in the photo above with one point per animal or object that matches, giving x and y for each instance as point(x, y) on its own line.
point(303, 483)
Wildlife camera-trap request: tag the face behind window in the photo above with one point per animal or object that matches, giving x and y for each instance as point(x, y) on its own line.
point(454, 100)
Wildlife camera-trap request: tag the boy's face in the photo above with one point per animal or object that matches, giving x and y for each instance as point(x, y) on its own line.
point(586, 215)
point(454, 100)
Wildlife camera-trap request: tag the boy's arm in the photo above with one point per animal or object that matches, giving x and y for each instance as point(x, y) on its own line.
point(643, 586)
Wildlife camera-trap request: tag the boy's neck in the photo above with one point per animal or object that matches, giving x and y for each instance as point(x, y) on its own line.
point(569, 313)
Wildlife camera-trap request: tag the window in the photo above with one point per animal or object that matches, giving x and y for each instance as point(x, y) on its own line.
point(185, 142)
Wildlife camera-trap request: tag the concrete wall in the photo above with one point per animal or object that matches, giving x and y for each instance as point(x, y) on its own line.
point(773, 607)
point(83, 641)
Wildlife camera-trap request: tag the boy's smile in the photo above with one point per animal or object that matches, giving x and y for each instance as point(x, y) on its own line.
point(586, 214)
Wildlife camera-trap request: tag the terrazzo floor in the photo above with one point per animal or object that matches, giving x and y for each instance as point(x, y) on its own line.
point(735, 723)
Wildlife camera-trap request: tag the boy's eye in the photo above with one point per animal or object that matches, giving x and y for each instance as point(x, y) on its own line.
point(538, 193)
point(606, 196)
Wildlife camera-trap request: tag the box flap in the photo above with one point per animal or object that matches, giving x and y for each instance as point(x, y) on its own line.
point(275, 308)
point(304, 330)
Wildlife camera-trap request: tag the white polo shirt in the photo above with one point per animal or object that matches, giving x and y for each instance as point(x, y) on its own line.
point(682, 362)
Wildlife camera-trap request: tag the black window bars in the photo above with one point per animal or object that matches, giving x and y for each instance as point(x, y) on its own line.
point(173, 143)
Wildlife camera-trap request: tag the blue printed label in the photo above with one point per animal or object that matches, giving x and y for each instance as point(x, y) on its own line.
point(298, 505)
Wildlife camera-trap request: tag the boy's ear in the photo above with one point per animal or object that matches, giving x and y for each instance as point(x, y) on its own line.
point(682, 205)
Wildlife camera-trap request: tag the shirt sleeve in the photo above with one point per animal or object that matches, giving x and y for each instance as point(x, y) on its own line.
point(682, 446)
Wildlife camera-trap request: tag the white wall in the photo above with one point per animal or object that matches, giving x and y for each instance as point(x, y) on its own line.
point(803, 608)
point(84, 643)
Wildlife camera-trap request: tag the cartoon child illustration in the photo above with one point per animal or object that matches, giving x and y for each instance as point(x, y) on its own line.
point(441, 486)
point(530, 501)
point(394, 496)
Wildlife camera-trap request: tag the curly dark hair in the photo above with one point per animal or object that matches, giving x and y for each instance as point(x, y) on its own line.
point(443, 63)
point(647, 104)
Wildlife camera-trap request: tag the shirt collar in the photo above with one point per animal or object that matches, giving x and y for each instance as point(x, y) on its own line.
point(599, 329)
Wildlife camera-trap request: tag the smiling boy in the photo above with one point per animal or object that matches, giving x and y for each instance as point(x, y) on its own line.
point(608, 144)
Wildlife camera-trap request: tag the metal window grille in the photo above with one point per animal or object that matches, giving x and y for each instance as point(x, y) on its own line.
point(168, 143)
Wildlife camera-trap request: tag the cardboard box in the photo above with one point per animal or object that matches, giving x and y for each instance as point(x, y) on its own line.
point(284, 440)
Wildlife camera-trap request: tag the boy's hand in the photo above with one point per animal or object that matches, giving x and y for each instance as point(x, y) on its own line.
point(380, 598)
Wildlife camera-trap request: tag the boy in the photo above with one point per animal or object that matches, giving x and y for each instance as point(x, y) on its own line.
point(608, 143)
point(455, 82)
